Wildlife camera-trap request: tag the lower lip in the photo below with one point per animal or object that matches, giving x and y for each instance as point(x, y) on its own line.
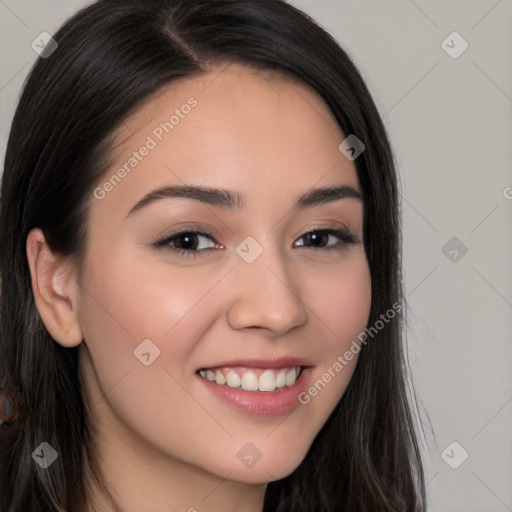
point(261, 403)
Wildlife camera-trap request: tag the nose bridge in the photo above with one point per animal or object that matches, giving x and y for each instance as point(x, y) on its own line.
point(265, 291)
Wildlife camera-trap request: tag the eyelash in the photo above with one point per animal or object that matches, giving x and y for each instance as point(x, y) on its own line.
point(345, 236)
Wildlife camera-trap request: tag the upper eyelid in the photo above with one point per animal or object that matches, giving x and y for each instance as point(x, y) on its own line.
point(207, 231)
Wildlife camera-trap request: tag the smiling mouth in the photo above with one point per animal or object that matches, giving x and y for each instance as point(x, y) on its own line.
point(253, 379)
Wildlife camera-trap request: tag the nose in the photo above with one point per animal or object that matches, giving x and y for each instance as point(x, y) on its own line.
point(266, 295)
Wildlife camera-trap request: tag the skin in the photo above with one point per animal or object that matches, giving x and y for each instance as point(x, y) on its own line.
point(165, 442)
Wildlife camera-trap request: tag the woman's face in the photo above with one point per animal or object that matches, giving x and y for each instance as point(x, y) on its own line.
point(260, 291)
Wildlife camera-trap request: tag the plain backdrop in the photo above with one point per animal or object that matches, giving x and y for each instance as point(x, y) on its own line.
point(448, 111)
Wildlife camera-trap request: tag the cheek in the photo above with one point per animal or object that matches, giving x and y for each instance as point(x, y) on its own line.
point(342, 302)
point(135, 300)
point(130, 303)
point(133, 309)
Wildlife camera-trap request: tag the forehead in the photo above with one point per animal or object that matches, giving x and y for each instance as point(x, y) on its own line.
point(234, 127)
point(230, 93)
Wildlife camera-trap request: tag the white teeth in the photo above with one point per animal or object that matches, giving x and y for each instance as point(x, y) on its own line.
point(290, 377)
point(250, 381)
point(267, 381)
point(281, 379)
point(219, 378)
point(233, 379)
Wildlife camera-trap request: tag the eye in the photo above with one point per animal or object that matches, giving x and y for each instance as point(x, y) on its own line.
point(192, 243)
point(186, 243)
point(323, 237)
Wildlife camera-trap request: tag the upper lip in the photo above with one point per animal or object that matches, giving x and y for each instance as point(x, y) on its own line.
point(279, 362)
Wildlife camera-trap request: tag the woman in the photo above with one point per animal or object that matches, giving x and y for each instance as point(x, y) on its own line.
point(201, 301)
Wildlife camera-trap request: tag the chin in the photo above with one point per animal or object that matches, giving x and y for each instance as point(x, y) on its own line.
point(267, 468)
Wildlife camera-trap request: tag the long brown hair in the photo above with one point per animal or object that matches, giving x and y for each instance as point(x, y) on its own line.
point(111, 57)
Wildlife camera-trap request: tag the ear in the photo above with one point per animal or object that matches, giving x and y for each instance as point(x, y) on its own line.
point(55, 289)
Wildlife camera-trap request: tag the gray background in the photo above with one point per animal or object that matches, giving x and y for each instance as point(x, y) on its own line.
point(450, 123)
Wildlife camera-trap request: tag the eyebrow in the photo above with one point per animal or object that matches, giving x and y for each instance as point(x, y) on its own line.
point(234, 201)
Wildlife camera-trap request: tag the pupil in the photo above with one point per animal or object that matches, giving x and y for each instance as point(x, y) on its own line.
point(315, 237)
point(188, 243)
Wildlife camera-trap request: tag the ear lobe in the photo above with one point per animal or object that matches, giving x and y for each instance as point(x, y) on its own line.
point(55, 290)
